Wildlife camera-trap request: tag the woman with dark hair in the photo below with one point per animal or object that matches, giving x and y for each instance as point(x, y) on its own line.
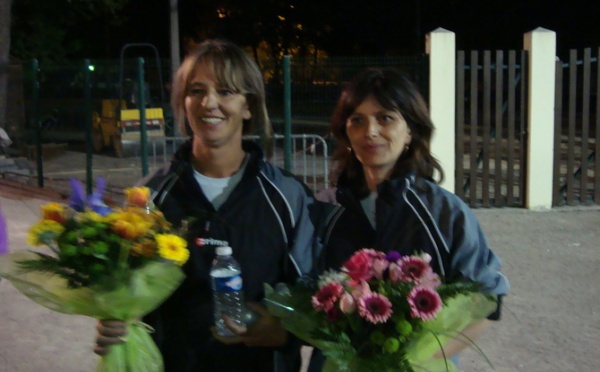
point(385, 184)
point(393, 92)
point(231, 196)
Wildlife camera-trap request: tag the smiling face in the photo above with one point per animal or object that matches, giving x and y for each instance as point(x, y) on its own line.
point(215, 113)
point(377, 136)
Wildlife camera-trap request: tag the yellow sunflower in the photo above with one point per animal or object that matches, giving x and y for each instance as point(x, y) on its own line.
point(55, 212)
point(172, 247)
point(44, 233)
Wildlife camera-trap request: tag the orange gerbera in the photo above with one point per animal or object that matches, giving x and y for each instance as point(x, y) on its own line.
point(129, 225)
point(138, 196)
point(54, 212)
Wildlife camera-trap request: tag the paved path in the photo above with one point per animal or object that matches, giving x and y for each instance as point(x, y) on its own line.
point(551, 320)
point(33, 338)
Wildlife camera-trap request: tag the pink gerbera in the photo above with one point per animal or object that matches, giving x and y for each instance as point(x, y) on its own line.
point(412, 269)
point(424, 303)
point(327, 296)
point(430, 279)
point(379, 267)
point(375, 308)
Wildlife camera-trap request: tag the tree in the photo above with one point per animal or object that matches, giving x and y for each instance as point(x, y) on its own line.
point(55, 31)
point(49, 31)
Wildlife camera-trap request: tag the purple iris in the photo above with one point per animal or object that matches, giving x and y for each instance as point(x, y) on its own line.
point(79, 202)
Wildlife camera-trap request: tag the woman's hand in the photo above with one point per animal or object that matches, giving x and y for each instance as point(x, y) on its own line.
point(110, 332)
point(266, 331)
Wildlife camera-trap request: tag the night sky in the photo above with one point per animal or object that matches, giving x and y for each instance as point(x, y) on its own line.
point(397, 27)
point(488, 24)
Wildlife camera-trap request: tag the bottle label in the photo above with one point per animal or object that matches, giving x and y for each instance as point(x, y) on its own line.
point(227, 284)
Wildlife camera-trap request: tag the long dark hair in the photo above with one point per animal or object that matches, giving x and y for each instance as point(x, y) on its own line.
point(393, 91)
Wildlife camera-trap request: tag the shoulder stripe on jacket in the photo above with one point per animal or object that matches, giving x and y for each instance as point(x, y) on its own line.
point(281, 226)
point(292, 219)
point(165, 185)
point(414, 209)
point(332, 222)
point(283, 233)
point(435, 225)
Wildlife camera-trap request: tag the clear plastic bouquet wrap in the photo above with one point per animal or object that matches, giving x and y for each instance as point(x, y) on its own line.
point(381, 313)
point(105, 263)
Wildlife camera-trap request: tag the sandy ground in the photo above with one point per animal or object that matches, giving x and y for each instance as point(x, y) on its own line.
point(551, 319)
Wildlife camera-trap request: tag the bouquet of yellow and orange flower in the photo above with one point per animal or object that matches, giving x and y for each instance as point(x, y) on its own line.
point(105, 263)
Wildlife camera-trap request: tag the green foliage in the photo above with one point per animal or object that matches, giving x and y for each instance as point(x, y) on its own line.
point(459, 287)
point(342, 357)
point(86, 252)
point(53, 31)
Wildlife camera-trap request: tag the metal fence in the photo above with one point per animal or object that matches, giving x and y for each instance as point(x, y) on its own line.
point(59, 103)
point(49, 114)
point(315, 87)
point(316, 84)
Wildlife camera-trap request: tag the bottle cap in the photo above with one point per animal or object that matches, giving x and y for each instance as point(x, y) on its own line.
point(224, 251)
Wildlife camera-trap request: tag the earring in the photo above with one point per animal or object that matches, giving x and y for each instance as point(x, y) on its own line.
point(406, 148)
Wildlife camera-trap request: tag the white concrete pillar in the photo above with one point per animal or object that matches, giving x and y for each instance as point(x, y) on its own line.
point(541, 46)
point(441, 47)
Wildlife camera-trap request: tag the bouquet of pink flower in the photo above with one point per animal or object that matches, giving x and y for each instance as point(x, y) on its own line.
point(381, 312)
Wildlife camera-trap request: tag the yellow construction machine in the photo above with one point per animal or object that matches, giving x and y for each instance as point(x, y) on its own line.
point(118, 125)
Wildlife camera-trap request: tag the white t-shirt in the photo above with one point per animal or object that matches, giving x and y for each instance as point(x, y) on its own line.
point(368, 205)
point(217, 190)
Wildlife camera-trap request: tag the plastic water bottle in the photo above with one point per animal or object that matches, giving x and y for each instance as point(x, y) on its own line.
point(228, 297)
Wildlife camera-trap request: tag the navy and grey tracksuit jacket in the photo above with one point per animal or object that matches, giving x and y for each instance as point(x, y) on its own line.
point(415, 215)
point(268, 220)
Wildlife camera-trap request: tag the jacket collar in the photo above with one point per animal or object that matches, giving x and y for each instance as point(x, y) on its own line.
point(387, 190)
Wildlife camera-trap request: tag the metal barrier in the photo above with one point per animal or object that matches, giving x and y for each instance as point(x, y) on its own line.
point(306, 161)
point(309, 158)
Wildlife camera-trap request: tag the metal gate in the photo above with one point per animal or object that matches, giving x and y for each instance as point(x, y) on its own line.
point(577, 130)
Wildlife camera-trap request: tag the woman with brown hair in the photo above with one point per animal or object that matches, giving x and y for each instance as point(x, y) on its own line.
point(231, 196)
point(391, 202)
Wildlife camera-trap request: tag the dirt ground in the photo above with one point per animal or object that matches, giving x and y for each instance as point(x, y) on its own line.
point(551, 319)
